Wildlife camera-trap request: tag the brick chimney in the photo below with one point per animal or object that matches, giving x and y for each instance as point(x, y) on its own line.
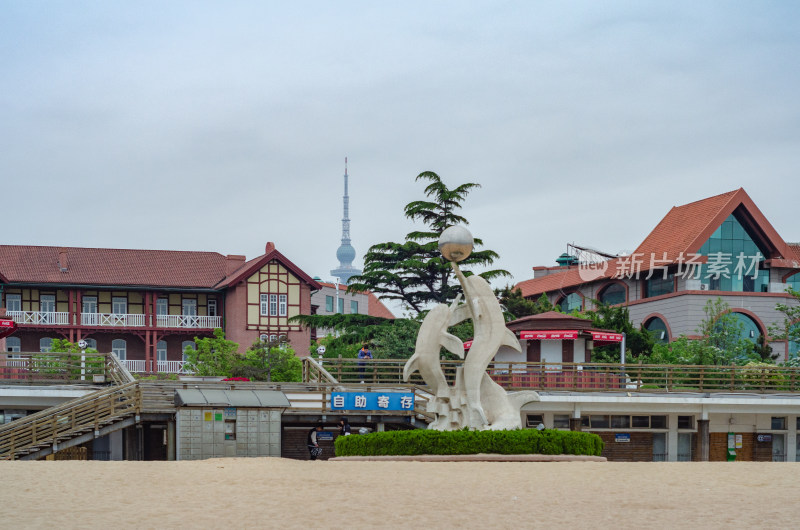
point(269, 248)
point(233, 262)
point(63, 262)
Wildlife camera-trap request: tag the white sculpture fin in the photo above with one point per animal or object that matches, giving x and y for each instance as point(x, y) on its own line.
point(453, 344)
point(511, 340)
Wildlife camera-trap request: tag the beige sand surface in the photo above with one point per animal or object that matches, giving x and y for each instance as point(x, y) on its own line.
point(278, 493)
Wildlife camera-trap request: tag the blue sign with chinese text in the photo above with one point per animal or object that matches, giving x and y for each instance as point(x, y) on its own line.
point(372, 401)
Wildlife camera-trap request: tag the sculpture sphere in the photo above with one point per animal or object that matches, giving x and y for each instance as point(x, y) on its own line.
point(456, 243)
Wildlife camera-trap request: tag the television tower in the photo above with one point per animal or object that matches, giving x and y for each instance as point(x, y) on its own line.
point(346, 253)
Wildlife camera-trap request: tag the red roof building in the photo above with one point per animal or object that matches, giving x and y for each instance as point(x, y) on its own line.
point(148, 305)
point(719, 247)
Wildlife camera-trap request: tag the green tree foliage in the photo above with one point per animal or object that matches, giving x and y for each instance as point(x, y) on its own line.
point(617, 318)
point(214, 356)
point(789, 329)
point(414, 271)
point(269, 361)
point(517, 306)
point(65, 346)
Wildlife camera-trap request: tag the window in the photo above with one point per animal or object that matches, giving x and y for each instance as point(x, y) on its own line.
point(45, 344)
point(533, 420)
point(47, 303)
point(571, 302)
point(353, 307)
point(89, 304)
point(794, 345)
point(686, 422)
point(749, 328)
point(726, 270)
point(273, 305)
point(658, 422)
point(264, 304)
point(14, 302)
point(658, 285)
point(658, 329)
point(620, 422)
point(119, 348)
point(187, 344)
point(640, 422)
point(561, 421)
point(91, 343)
point(212, 308)
point(119, 305)
point(599, 422)
point(161, 350)
point(778, 424)
point(792, 281)
point(263, 338)
point(282, 305)
point(329, 304)
point(340, 309)
point(189, 307)
point(13, 344)
point(162, 306)
point(613, 294)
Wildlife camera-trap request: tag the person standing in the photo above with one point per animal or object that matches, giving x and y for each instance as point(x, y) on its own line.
point(363, 353)
point(344, 427)
point(314, 450)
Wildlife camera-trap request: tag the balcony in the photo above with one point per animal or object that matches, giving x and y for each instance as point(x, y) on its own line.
point(122, 320)
point(41, 318)
point(187, 321)
point(165, 367)
point(112, 319)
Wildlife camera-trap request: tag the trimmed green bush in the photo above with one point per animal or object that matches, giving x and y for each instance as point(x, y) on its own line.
point(464, 442)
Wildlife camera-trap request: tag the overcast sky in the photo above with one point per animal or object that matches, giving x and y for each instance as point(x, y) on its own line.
point(220, 126)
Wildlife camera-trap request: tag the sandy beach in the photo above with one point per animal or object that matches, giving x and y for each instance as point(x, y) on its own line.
point(281, 493)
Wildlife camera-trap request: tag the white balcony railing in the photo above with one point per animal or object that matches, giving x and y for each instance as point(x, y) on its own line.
point(171, 367)
point(39, 317)
point(187, 321)
point(138, 366)
point(166, 367)
point(112, 319)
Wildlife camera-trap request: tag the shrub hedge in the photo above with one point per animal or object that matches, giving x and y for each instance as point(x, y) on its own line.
point(464, 442)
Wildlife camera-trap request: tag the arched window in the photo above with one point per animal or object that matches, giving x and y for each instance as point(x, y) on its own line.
point(570, 303)
point(794, 281)
point(750, 330)
point(614, 293)
point(794, 345)
point(45, 344)
point(187, 344)
point(161, 350)
point(91, 343)
point(13, 344)
point(658, 329)
point(119, 348)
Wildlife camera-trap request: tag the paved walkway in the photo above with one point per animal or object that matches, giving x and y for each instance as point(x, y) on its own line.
point(471, 458)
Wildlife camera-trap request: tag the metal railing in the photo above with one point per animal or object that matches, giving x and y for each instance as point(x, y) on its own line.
point(585, 377)
point(40, 317)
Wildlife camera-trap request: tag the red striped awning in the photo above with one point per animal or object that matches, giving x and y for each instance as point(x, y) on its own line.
point(548, 335)
point(602, 336)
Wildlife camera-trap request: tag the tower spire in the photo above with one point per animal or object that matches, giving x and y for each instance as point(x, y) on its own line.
point(346, 253)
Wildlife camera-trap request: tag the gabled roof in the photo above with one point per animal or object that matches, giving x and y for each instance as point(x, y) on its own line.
point(682, 232)
point(131, 268)
point(105, 266)
point(249, 268)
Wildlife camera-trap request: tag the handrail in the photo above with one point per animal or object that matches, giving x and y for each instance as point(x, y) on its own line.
point(588, 377)
point(52, 367)
point(51, 426)
point(312, 368)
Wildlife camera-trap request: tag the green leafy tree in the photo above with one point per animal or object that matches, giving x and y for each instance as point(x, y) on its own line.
point(617, 318)
point(789, 329)
point(414, 271)
point(213, 356)
point(269, 361)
